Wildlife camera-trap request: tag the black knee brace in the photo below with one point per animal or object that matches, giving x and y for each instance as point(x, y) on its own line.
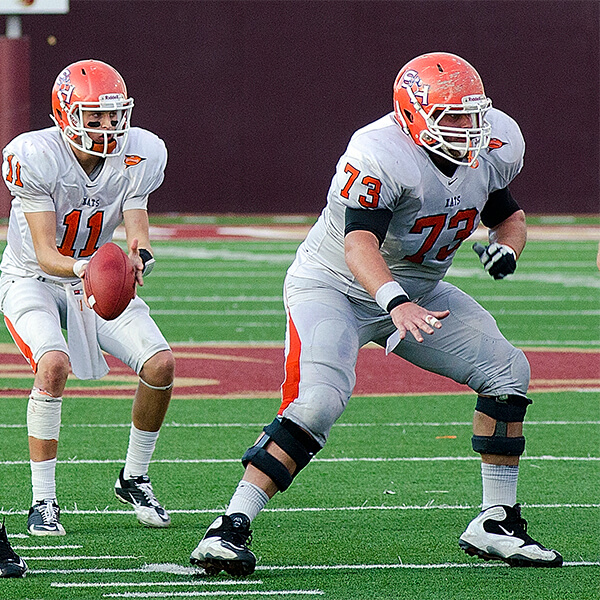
point(293, 440)
point(505, 409)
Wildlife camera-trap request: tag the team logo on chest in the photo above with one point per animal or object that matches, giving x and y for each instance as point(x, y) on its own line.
point(93, 202)
point(454, 201)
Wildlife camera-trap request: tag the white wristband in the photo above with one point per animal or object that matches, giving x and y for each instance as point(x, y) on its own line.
point(78, 267)
point(387, 292)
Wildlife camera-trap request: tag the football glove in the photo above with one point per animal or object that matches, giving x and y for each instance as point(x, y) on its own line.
point(497, 259)
point(148, 261)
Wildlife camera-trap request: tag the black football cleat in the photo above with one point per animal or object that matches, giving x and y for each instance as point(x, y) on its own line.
point(11, 564)
point(224, 547)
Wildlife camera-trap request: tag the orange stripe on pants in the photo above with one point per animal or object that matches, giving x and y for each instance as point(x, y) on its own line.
point(23, 347)
point(291, 384)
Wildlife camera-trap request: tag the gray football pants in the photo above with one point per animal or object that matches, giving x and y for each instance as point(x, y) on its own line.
point(326, 328)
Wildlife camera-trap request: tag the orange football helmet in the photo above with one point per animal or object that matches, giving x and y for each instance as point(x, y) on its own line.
point(91, 86)
point(434, 85)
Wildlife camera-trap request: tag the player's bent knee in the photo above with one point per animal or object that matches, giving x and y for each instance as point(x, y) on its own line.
point(293, 440)
point(158, 371)
point(504, 409)
point(521, 371)
point(53, 370)
point(317, 409)
point(43, 415)
point(508, 371)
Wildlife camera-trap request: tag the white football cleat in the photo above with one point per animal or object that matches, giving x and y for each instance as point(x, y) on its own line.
point(138, 492)
point(500, 533)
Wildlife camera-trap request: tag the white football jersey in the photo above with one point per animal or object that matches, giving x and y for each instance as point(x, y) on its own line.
point(43, 174)
point(432, 213)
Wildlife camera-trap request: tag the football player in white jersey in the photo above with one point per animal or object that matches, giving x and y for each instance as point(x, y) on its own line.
point(72, 185)
point(409, 189)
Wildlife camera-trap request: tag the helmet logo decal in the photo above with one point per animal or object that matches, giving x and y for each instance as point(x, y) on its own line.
point(131, 160)
point(66, 88)
point(411, 78)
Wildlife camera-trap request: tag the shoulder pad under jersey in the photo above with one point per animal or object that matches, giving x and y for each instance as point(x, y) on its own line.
point(384, 145)
point(39, 155)
point(506, 149)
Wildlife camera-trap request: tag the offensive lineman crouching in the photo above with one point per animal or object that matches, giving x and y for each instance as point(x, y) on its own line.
point(410, 188)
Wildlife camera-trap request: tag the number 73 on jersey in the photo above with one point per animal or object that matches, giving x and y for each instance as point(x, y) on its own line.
point(463, 222)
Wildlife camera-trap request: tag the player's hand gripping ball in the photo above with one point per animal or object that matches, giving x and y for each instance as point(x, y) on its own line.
point(109, 281)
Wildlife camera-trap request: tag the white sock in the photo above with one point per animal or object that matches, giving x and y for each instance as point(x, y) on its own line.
point(139, 452)
point(499, 484)
point(248, 499)
point(43, 482)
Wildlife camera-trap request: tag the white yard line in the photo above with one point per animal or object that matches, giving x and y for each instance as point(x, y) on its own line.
point(266, 568)
point(110, 557)
point(407, 566)
point(228, 593)
point(254, 425)
point(375, 459)
point(64, 547)
point(195, 582)
point(404, 507)
point(171, 568)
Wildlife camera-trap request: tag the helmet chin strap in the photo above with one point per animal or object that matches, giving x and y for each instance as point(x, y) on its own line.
point(106, 146)
point(100, 147)
point(454, 153)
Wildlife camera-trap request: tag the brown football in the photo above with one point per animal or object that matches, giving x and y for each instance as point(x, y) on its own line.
point(109, 281)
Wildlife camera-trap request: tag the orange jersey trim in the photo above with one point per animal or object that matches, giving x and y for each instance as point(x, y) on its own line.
point(291, 384)
point(495, 143)
point(23, 347)
point(131, 160)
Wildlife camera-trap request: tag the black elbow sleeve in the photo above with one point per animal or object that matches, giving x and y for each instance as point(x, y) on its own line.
point(499, 206)
point(375, 221)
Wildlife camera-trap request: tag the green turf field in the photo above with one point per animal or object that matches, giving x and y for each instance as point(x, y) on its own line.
point(378, 513)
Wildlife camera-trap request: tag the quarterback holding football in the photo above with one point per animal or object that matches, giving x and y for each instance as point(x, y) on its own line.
point(410, 188)
point(73, 184)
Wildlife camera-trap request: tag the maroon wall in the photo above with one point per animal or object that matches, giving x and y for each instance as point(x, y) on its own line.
point(257, 99)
